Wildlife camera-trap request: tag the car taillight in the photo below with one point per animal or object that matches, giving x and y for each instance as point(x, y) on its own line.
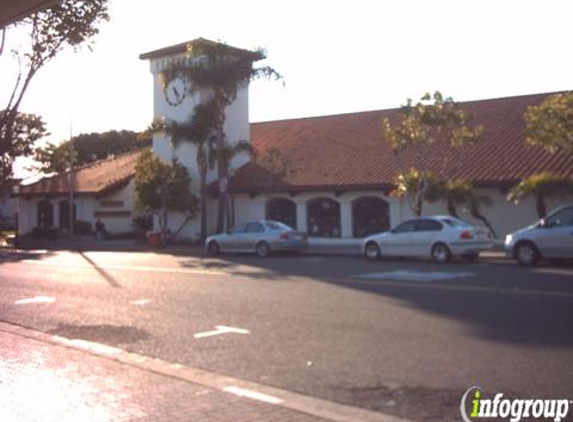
point(466, 235)
point(283, 236)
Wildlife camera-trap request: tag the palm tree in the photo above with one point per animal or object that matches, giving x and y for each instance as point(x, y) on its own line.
point(461, 193)
point(197, 130)
point(475, 203)
point(453, 192)
point(541, 186)
point(224, 155)
point(220, 71)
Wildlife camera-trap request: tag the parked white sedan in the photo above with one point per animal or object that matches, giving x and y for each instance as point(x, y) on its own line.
point(436, 237)
point(261, 237)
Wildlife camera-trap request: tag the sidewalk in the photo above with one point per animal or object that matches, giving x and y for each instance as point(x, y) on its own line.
point(45, 378)
point(318, 246)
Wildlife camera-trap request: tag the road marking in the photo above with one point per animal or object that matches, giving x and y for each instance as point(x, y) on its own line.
point(554, 271)
point(221, 329)
point(141, 302)
point(126, 267)
point(418, 276)
point(251, 394)
point(37, 299)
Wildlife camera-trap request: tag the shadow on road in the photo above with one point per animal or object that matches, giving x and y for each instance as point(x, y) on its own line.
point(107, 276)
point(7, 256)
point(107, 334)
point(503, 302)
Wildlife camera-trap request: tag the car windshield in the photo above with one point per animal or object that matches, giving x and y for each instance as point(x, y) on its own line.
point(454, 222)
point(277, 225)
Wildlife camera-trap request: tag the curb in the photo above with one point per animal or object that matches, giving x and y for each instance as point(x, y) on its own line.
point(328, 410)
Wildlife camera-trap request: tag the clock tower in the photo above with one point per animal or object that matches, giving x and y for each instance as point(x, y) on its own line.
point(177, 102)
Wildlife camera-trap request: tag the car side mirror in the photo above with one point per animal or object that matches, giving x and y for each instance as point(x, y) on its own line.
point(546, 224)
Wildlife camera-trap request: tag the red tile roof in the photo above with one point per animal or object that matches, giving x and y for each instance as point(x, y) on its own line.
point(95, 178)
point(348, 151)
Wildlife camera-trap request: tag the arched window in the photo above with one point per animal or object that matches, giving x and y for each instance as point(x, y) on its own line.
point(45, 214)
point(65, 214)
point(370, 215)
point(323, 217)
point(283, 210)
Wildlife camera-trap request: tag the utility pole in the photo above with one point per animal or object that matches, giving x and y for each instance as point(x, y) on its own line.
point(71, 184)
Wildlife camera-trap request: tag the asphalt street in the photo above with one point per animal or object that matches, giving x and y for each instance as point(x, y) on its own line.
point(406, 338)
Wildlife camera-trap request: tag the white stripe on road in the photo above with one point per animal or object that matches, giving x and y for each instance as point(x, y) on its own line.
point(221, 329)
point(37, 299)
point(251, 394)
point(419, 276)
point(126, 267)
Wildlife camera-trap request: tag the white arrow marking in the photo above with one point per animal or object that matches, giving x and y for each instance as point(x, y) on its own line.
point(222, 329)
point(37, 299)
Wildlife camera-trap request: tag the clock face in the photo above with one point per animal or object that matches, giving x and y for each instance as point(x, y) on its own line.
point(175, 92)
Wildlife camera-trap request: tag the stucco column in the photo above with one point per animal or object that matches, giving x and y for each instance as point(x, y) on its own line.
point(346, 219)
point(301, 216)
point(395, 211)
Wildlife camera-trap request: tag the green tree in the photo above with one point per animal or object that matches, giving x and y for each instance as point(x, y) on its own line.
point(25, 129)
point(541, 186)
point(67, 23)
point(89, 147)
point(423, 124)
point(220, 71)
point(550, 124)
point(161, 188)
point(417, 185)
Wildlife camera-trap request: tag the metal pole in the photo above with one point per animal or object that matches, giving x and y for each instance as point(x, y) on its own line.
point(71, 183)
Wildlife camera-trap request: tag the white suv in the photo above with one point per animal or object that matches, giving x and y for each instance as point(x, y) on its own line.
point(551, 237)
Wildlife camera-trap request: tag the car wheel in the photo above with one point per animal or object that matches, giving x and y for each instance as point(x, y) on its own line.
point(526, 253)
point(263, 249)
point(213, 248)
point(372, 251)
point(441, 253)
point(470, 257)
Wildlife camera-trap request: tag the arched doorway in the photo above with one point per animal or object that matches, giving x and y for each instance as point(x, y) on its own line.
point(64, 213)
point(283, 210)
point(323, 217)
point(45, 214)
point(370, 215)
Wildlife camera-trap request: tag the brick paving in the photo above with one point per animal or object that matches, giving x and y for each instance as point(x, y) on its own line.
point(44, 382)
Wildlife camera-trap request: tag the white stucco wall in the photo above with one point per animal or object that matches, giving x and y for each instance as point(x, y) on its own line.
point(86, 207)
point(249, 209)
point(505, 217)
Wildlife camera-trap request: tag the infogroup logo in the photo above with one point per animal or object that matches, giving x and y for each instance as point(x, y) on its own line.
point(513, 410)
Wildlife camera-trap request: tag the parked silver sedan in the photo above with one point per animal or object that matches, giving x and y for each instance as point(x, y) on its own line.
point(261, 237)
point(551, 237)
point(437, 237)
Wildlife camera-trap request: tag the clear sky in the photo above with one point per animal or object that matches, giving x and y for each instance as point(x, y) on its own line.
point(336, 56)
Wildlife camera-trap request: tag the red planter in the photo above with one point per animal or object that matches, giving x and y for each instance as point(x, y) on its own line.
point(154, 239)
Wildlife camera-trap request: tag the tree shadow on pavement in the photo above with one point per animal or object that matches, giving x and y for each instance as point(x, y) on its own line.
point(517, 307)
point(106, 276)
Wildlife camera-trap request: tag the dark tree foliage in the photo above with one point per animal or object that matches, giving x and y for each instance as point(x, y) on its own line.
point(89, 147)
